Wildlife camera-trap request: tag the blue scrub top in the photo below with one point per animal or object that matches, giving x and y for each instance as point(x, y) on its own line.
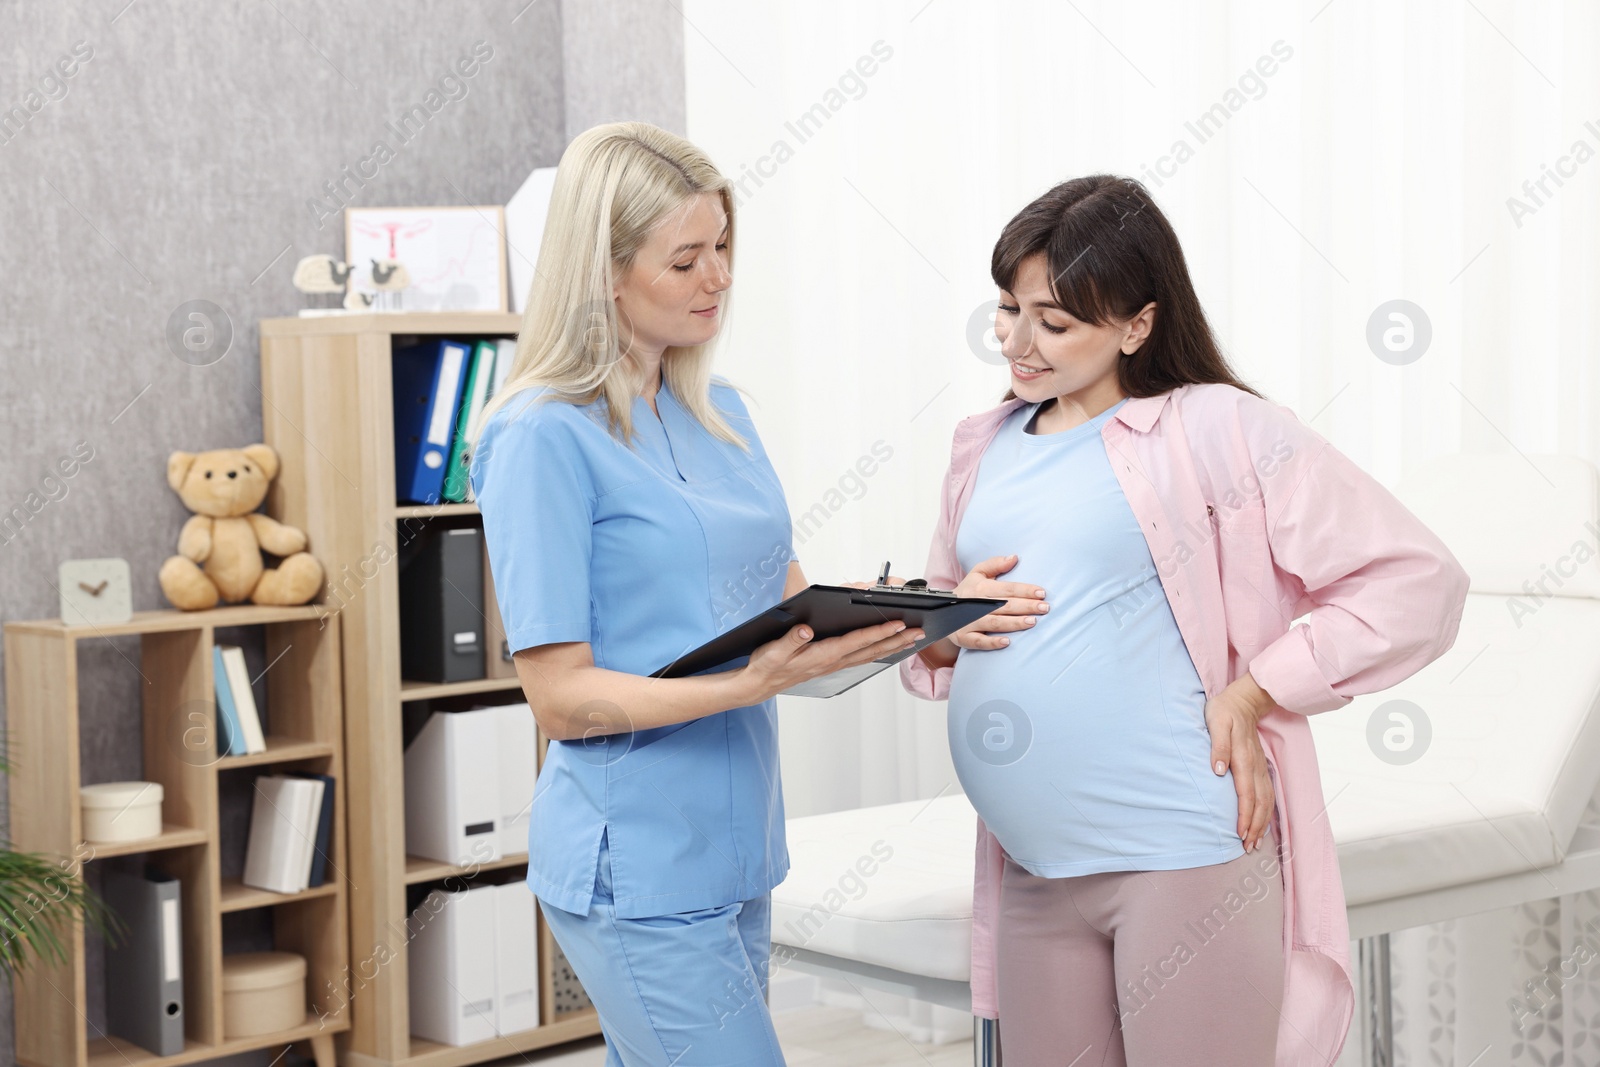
point(645, 553)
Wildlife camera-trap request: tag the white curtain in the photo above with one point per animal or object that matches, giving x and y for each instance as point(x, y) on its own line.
point(1318, 160)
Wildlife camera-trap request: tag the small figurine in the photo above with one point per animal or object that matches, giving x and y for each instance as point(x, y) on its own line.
point(390, 278)
point(321, 278)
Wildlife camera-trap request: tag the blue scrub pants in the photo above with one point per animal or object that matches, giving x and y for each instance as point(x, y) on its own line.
point(681, 990)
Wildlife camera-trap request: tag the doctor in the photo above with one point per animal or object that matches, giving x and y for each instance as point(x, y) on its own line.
point(631, 514)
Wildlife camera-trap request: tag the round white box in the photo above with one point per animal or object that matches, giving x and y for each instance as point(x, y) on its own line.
point(121, 811)
point(262, 992)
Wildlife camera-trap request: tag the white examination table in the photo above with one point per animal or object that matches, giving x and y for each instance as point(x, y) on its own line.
point(1488, 817)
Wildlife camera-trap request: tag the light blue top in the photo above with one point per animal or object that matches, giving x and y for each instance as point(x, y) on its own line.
point(1083, 744)
point(645, 553)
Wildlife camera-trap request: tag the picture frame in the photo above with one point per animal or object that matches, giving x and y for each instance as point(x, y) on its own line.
point(455, 256)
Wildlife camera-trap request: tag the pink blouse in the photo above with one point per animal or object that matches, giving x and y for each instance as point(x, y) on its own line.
point(1253, 520)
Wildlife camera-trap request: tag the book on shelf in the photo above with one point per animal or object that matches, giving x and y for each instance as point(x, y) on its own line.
point(285, 826)
point(230, 733)
point(324, 837)
point(241, 699)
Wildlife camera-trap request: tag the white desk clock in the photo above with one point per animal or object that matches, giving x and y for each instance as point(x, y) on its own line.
point(95, 591)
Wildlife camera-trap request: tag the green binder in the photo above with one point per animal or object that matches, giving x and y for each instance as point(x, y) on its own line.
point(456, 483)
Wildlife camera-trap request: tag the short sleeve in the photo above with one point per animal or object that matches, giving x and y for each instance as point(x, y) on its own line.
point(533, 489)
point(728, 401)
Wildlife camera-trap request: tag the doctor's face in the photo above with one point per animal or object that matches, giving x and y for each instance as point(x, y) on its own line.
point(671, 296)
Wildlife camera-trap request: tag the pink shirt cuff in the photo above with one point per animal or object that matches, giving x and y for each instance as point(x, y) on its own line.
point(923, 681)
point(1288, 671)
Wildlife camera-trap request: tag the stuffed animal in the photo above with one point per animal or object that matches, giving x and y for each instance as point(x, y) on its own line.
point(221, 544)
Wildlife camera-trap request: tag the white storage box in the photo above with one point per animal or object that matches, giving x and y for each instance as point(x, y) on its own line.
point(262, 992)
point(121, 811)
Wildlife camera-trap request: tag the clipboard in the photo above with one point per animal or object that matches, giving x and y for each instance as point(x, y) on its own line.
point(832, 610)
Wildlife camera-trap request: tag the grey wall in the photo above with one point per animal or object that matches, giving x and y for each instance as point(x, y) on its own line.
point(622, 61)
point(185, 158)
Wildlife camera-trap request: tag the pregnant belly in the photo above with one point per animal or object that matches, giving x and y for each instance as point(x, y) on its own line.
point(1087, 758)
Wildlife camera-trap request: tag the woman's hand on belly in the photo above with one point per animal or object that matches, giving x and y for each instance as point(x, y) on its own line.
point(1231, 718)
point(1023, 603)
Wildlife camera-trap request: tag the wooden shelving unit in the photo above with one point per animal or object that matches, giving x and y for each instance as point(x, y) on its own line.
point(303, 709)
point(328, 410)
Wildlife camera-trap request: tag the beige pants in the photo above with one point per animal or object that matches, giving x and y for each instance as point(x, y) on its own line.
point(1148, 968)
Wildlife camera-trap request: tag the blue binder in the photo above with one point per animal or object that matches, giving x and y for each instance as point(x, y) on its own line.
point(428, 380)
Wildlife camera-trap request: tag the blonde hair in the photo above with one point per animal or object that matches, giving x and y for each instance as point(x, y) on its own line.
point(614, 185)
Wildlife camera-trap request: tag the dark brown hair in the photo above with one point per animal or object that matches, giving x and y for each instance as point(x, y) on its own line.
point(1110, 251)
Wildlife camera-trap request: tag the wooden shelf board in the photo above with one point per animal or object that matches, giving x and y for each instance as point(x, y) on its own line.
point(433, 511)
point(418, 322)
point(279, 750)
point(410, 690)
point(119, 1052)
point(236, 896)
point(167, 620)
point(425, 1053)
point(419, 869)
point(171, 836)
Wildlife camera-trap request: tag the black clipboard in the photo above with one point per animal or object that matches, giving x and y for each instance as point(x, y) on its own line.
point(832, 610)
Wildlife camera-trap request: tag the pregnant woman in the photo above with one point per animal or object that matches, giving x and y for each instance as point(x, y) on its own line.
point(1156, 883)
point(631, 515)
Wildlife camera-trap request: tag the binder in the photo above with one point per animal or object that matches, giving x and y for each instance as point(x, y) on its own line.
point(476, 394)
point(505, 356)
point(517, 748)
point(144, 970)
point(441, 605)
point(516, 993)
point(322, 841)
point(427, 381)
point(830, 611)
point(497, 661)
point(230, 733)
point(451, 966)
point(244, 698)
point(452, 799)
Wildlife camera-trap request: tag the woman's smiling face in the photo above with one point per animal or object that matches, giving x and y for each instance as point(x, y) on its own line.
point(1051, 353)
point(671, 295)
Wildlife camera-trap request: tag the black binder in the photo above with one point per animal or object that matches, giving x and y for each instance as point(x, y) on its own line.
point(832, 610)
point(441, 606)
point(144, 969)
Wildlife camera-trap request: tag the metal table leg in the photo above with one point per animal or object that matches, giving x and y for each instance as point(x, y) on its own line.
point(985, 1042)
point(1376, 1003)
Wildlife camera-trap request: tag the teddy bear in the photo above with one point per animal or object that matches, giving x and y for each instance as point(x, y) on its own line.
point(221, 544)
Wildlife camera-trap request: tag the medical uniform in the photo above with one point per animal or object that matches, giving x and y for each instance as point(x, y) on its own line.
point(653, 851)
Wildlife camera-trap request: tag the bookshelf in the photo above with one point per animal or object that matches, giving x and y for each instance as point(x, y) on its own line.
point(327, 408)
point(304, 714)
